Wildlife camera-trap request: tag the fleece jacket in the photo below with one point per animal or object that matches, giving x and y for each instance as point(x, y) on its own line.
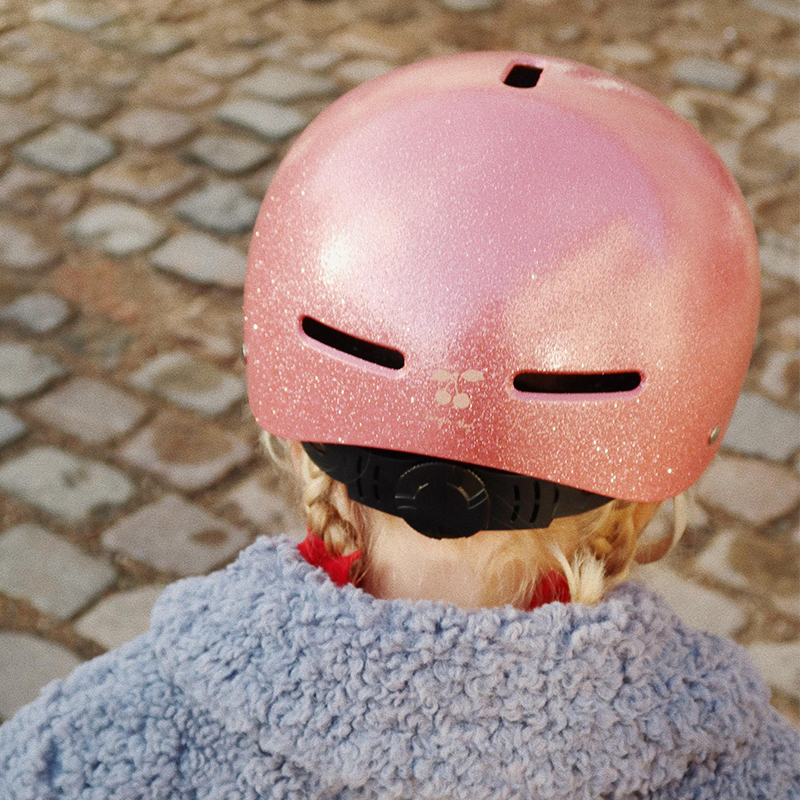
point(266, 681)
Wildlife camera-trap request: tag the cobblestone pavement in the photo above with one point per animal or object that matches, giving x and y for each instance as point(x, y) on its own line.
point(136, 140)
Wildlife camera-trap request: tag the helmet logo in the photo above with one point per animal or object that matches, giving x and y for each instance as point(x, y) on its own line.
point(450, 391)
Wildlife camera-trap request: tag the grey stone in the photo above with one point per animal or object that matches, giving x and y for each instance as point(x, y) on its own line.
point(629, 53)
point(118, 228)
point(75, 15)
point(468, 5)
point(320, 59)
point(709, 73)
point(273, 82)
point(27, 664)
point(697, 606)
point(780, 255)
point(83, 103)
point(177, 89)
point(786, 137)
point(175, 536)
point(21, 250)
point(221, 207)
point(48, 572)
point(787, 9)
point(779, 664)
point(120, 618)
point(762, 428)
point(774, 379)
point(202, 259)
point(715, 561)
point(266, 509)
point(756, 491)
point(144, 178)
point(265, 119)
point(19, 122)
point(89, 409)
point(189, 456)
point(11, 427)
point(218, 65)
point(15, 82)
point(152, 127)
point(143, 37)
point(39, 312)
point(230, 154)
point(189, 383)
point(363, 69)
point(68, 149)
point(23, 371)
point(62, 484)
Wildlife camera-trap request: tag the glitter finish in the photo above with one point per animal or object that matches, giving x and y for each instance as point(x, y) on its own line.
point(485, 230)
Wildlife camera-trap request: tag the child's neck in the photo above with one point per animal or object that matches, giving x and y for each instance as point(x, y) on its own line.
point(406, 564)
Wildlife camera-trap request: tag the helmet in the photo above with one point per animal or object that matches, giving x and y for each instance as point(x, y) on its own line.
point(507, 261)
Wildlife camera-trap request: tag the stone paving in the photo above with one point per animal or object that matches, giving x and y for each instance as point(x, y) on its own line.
point(137, 140)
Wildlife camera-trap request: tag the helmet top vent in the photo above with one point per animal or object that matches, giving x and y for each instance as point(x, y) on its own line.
point(523, 76)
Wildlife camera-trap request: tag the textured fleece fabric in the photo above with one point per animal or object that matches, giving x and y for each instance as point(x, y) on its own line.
point(266, 681)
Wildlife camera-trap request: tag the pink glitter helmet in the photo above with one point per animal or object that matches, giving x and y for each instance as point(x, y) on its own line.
point(510, 261)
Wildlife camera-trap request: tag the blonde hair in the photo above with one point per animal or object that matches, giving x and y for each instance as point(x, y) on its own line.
point(593, 550)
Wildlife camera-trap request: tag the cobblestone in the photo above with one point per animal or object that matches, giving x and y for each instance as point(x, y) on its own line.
point(68, 149)
point(48, 572)
point(232, 155)
point(218, 65)
point(278, 83)
point(176, 537)
point(15, 82)
point(39, 312)
point(19, 123)
point(629, 53)
point(11, 427)
point(468, 5)
point(189, 383)
point(266, 509)
point(33, 192)
point(188, 455)
point(221, 207)
point(64, 485)
point(144, 178)
point(775, 378)
point(785, 9)
point(756, 491)
point(779, 664)
point(76, 15)
point(21, 250)
point(89, 409)
point(27, 663)
point(121, 617)
point(361, 70)
point(202, 259)
point(142, 38)
point(23, 371)
point(786, 137)
point(265, 119)
point(152, 127)
point(697, 606)
point(762, 428)
point(85, 103)
point(117, 228)
point(780, 255)
point(709, 73)
point(715, 561)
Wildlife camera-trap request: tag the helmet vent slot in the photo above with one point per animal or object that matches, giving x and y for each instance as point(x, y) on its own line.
point(523, 76)
point(591, 383)
point(353, 346)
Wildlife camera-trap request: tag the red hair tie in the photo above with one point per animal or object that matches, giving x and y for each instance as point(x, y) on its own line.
point(312, 548)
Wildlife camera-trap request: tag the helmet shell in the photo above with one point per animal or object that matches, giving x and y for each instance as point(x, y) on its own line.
point(485, 230)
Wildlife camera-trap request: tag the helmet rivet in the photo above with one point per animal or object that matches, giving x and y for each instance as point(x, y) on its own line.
point(714, 435)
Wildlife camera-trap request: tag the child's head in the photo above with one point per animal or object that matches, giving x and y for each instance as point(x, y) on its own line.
point(530, 278)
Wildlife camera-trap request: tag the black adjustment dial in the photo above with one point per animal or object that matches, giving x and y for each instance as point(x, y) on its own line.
point(443, 501)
